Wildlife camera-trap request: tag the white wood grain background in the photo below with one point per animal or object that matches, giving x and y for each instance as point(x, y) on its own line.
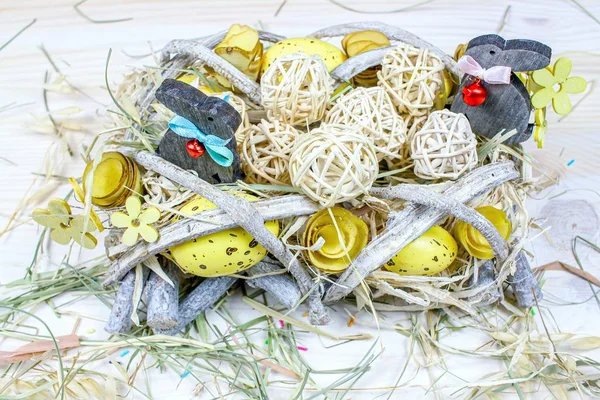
point(79, 49)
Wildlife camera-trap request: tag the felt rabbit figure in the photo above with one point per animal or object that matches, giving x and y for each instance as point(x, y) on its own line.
point(201, 135)
point(505, 105)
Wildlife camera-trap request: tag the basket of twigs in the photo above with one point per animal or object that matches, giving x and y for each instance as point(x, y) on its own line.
point(385, 172)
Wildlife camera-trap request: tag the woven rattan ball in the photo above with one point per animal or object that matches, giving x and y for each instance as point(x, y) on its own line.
point(412, 77)
point(295, 89)
point(413, 125)
point(445, 147)
point(266, 152)
point(333, 164)
point(372, 112)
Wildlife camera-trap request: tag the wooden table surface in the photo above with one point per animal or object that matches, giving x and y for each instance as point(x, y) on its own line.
point(33, 163)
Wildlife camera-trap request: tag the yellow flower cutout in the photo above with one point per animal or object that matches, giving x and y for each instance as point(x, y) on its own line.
point(473, 241)
point(556, 85)
point(63, 226)
point(138, 223)
point(81, 197)
point(541, 125)
point(345, 236)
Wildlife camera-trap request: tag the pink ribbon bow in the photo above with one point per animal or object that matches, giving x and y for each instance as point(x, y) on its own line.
point(496, 75)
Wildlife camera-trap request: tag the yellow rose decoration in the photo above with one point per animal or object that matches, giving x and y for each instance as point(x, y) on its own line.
point(359, 42)
point(112, 180)
point(63, 226)
point(242, 48)
point(460, 51)
point(473, 241)
point(344, 231)
point(137, 222)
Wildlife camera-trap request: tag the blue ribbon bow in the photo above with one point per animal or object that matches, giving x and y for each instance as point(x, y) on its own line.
point(215, 146)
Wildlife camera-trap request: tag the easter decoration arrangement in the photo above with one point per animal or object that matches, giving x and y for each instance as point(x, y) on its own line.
point(380, 171)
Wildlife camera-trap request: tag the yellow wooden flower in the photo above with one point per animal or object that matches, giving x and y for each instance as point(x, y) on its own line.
point(473, 241)
point(359, 42)
point(556, 85)
point(63, 226)
point(541, 125)
point(344, 238)
point(242, 48)
point(80, 231)
point(137, 222)
point(460, 51)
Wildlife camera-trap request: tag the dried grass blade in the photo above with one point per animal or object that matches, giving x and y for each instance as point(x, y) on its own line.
point(560, 266)
point(279, 316)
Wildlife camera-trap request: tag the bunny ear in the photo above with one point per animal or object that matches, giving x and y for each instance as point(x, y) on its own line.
point(527, 55)
point(519, 54)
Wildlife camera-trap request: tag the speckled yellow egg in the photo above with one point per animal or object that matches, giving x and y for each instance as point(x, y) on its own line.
point(221, 253)
point(331, 55)
point(428, 254)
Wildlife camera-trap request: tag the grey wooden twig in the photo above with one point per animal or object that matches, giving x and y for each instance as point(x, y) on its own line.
point(524, 283)
point(357, 64)
point(207, 222)
point(220, 65)
point(393, 33)
point(203, 297)
point(282, 287)
point(486, 278)
point(212, 41)
point(246, 216)
point(413, 221)
point(447, 205)
point(119, 320)
point(163, 298)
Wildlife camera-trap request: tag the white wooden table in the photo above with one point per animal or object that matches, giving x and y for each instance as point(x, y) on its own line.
point(79, 49)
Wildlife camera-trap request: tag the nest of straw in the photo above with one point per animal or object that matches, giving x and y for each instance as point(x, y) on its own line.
point(453, 287)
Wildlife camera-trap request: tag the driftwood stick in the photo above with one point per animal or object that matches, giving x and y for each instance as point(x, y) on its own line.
point(172, 70)
point(163, 299)
point(486, 278)
point(212, 41)
point(448, 205)
point(524, 283)
point(393, 33)
point(414, 221)
point(207, 222)
point(282, 287)
point(246, 216)
point(358, 63)
point(222, 67)
point(119, 320)
point(203, 297)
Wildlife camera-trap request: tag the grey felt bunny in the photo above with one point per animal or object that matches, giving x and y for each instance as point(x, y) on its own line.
point(504, 106)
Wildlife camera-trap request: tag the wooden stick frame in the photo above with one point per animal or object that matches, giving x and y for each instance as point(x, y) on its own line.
point(424, 209)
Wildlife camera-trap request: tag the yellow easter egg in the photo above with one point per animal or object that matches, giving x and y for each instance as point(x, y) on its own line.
point(221, 253)
point(428, 254)
point(331, 55)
